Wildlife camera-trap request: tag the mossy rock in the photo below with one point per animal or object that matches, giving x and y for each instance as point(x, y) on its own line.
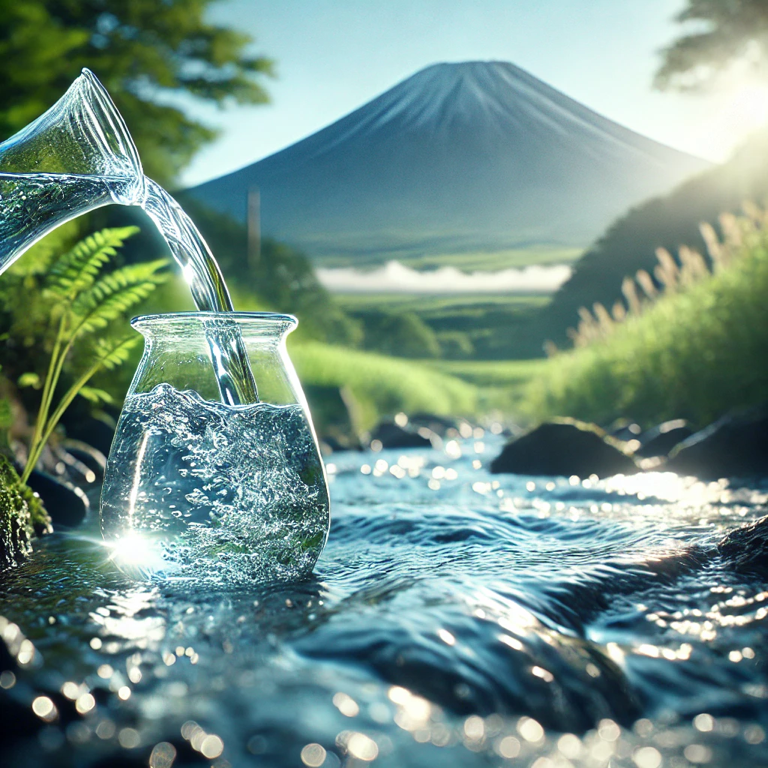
point(21, 516)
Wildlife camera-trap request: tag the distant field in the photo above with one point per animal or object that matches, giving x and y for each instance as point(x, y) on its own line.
point(434, 303)
point(488, 326)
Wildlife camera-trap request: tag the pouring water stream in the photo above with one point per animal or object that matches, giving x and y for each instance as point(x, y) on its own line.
point(79, 156)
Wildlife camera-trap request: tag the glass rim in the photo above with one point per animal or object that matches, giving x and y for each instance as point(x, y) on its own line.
point(230, 317)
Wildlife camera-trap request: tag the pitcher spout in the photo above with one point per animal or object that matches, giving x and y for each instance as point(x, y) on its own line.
point(74, 158)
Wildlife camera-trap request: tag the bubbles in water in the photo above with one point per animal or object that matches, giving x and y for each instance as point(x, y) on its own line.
point(218, 493)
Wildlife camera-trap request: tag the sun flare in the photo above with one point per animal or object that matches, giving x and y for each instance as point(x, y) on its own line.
point(748, 105)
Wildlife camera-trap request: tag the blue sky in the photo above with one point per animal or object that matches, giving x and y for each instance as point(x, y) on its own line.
point(332, 56)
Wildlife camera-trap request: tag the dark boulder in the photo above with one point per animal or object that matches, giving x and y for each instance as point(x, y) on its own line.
point(564, 447)
point(660, 440)
point(66, 503)
point(734, 446)
point(624, 430)
point(387, 434)
point(87, 456)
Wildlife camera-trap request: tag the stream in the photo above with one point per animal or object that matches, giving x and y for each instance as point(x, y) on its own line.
point(455, 618)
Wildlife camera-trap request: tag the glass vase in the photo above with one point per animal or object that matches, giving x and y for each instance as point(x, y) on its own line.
point(199, 489)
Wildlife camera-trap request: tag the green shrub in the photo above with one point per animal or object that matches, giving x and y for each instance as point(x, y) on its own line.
point(399, 334)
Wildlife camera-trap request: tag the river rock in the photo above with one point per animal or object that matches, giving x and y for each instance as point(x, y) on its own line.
point(660, 440)
point(21, 516)
point(387, 434)
point(440, 425)
point(624, 430)
point(66, 503)
point(564, 447)
point(734, 446)
point(87, 456)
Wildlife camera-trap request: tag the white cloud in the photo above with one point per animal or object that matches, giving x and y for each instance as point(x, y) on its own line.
point(395, 277)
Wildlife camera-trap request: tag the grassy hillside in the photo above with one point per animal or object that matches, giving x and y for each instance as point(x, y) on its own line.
point(383, 385)
point(669, 222)
point(695, 354)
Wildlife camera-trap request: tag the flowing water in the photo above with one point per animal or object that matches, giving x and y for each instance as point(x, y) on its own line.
point(191, 482)
point(29, 202)
point(455, 618)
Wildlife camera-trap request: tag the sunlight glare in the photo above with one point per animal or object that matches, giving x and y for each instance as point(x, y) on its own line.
point(748, 105)
point(134, 554)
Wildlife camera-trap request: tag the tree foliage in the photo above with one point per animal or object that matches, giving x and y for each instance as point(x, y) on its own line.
point(148, 54)
point(724, 32)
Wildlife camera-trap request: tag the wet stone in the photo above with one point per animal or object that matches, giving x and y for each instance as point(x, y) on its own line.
point(734, 446)
point(388, 434)
point(566, 447)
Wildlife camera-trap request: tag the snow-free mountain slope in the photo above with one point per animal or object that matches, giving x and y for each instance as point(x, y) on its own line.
point(468, 157)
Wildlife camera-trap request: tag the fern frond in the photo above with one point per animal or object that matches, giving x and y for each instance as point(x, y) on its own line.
point(78, 269)
point(96, 396)
point(113, 295)
point(38, 259)
point(110, 354)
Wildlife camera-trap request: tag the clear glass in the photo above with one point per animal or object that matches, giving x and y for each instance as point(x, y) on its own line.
point(199, 489)
point(75, 157)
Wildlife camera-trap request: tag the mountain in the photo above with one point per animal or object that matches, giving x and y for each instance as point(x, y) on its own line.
point(465, 158)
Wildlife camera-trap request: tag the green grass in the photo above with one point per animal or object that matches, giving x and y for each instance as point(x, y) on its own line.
point(502, 385)
point(491, 373)
point(384, 385)
point(696, 355)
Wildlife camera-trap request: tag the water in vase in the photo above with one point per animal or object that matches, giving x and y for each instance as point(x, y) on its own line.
point(241, 486)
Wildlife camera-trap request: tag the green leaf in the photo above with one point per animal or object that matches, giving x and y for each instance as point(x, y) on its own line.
point(29, 379)
point(111, 354)
point(78, 269)
point(6, 414)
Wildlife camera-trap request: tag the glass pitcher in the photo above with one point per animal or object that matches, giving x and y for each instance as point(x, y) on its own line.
point(198, 489)
point(75, 157)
